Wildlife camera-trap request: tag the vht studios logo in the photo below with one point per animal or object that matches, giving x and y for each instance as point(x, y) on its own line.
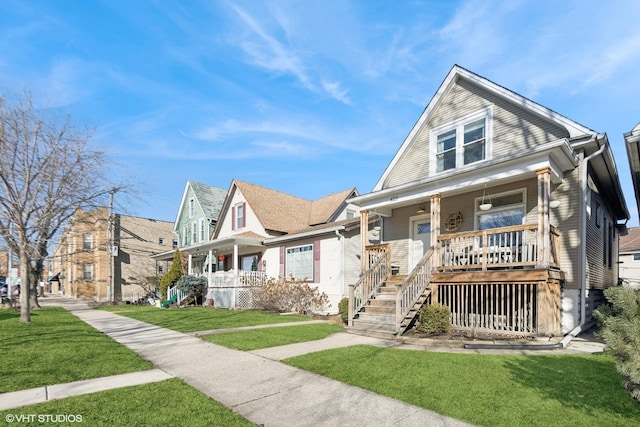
point(43, 418)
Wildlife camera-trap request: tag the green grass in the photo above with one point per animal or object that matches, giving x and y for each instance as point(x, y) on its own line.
point(165, 403)
point(487, 390)
point(57, 347)
point(190, 319)
point(272, 337)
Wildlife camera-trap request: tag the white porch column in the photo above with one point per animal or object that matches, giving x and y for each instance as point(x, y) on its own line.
point(544, 227)
point(435, 228)
point(364, 240)
point(235, 264)
point(210, 267)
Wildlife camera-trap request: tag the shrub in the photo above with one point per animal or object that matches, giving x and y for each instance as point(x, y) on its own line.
point(620, 329)
point(192, 285)
point(434, 319)
point(289, 295)
point(343, 309)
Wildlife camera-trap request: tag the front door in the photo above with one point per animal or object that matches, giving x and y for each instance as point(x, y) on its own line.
point(420, 239)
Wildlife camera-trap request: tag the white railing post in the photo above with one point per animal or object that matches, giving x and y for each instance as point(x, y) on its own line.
point(352, 304)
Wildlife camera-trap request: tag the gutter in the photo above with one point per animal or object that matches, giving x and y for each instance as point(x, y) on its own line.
point(583, 274)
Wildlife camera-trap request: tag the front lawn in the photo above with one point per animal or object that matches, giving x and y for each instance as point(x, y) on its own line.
point(191, 319)
point(165, 403)
point(271, 337)
point(487, 390)
point(57, 347)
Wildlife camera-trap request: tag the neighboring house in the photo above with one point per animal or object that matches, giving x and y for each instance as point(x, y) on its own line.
point(630, 258)
point(632, 143)
point(504, 210)
point(263, 233)
point(90, 261)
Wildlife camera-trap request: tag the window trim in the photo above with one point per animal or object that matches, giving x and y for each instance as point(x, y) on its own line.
point(287, 262)
point(458, 125)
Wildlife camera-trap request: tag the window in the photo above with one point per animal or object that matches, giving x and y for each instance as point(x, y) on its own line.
point(194, 232)
point(202, 230)
point(508, 209)
point(192, 207)
point(161, 241)
point(87, 271)
point(299, 262)
point(87, 241)
point(350, 214)
point(636, 257)
point(160, 269)
point(239, 220)
point(598, 215)
point(185, 235)
point(461, 143)
point(174, 244)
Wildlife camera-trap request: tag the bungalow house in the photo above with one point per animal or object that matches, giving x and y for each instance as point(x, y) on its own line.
point(263, 233)
point(497, 207)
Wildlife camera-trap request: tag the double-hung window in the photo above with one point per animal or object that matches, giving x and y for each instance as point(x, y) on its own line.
point(87, 242)
point(463, 142)
point(202, 230)
point(87, 271)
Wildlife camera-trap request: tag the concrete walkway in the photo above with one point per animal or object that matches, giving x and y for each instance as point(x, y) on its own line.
point(262, 390)
point(253, 384)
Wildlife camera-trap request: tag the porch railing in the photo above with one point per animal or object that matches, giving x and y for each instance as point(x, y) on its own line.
point(173, 291)
point(412, 288)
point(241, 278)
point(379, 258)
point(505, 247)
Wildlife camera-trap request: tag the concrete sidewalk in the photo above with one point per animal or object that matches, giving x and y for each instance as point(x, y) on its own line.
point(262, 390)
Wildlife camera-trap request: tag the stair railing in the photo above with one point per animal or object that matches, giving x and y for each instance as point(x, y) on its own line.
point(173, 290)
point(365, 288)
point(410, 290)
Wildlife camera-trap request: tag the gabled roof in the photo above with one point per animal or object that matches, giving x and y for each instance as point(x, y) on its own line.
point(323, 210)
point(209, 198)
point(284, 213)
point(631, 241)
point(457, 73)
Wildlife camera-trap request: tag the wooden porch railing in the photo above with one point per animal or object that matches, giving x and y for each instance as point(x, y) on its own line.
point(412, 288)
point(379, 261)
point(505, 247)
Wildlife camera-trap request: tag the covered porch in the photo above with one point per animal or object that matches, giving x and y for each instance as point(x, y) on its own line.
point(505, 279)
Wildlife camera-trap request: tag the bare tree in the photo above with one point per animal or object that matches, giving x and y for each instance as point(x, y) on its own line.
point(47, 170)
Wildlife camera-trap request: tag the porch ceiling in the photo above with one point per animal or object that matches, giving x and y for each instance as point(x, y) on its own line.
point(226, 245)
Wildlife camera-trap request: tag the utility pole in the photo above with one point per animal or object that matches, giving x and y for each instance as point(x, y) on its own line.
point(110, 288)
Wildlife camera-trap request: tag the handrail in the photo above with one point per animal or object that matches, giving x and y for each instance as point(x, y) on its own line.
point(369, 282)
point(410, 290)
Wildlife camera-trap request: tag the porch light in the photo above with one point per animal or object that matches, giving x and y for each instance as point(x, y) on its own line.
point(486, 204)
point(420, 210)
point(554, 204)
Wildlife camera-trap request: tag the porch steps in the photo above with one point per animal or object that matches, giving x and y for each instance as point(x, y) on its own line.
point(377, 318)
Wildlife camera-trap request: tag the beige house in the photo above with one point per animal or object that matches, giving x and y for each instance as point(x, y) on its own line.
point(502, 209)
point(109, 262)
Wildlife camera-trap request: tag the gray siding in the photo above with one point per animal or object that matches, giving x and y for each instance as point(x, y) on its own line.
point(514, 130)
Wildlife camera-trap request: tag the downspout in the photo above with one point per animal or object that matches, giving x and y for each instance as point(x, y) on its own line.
point(583, 275)
point(583, 248)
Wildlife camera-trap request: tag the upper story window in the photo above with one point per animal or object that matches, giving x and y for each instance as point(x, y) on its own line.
point(202, 230)
point(185, 235)
point(87, 271)
point(87, 241)
point(192, 207)
point(239, 216)
point(350, 214)
point(161, 241)
point(174, 244)
point(194, 233)
point(463, 142)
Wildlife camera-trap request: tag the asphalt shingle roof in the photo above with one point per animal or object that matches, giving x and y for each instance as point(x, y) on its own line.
point(210, 198)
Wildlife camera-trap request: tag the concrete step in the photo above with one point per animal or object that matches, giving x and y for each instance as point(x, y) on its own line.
point(373, 325)
point(372, 333)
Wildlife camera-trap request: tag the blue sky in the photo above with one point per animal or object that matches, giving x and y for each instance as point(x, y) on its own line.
point(306, 97)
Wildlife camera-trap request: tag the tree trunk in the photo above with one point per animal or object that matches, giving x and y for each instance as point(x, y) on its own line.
point(25, 302)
